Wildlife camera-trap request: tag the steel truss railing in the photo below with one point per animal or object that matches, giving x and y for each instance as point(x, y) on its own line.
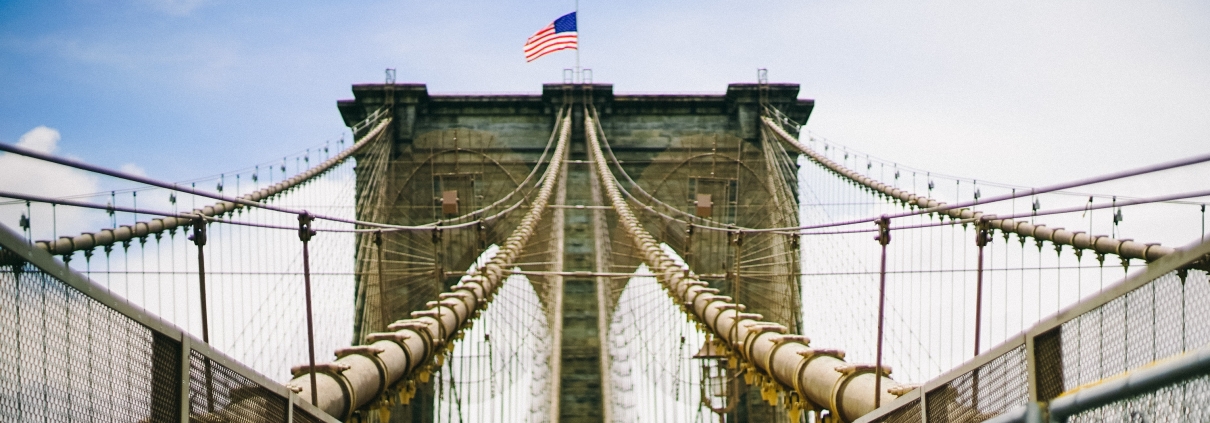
point(179, 377)
point(1124, 367)
point(1154, 366)
point(786, 368)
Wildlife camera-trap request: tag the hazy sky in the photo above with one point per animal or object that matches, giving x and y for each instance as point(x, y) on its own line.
point(1025, 92)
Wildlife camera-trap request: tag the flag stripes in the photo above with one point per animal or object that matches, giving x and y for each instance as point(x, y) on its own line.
point(558, 35)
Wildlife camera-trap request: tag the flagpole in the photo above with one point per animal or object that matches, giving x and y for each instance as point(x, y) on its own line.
point(579, 77)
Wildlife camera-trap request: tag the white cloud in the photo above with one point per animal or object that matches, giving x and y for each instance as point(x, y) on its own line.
point(29, 176)
point(133, 169)
point(41, 139)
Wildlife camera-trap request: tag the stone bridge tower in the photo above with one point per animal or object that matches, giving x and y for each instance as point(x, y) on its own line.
point(703, 154)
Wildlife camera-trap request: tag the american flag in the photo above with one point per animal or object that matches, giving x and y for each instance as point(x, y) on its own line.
point(559, 35)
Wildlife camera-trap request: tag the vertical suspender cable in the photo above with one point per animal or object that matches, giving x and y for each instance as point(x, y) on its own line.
point(381, 281)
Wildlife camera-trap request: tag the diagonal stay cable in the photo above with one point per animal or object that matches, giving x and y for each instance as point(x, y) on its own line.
point(266, 164)
point(782, 118)
point(927, 205)
point(763, 345)
point(541, 159)
point(405, 352)
point(930, 206)
point(614, 160)
point(1125, 248)
point(230, 203)
point(1047, 212)
point(85, 241)
point(81, 204)
point(251, 200)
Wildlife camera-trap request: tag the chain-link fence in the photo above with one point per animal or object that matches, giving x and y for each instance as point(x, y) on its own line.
point(70, 351)
point(1138, 351)
point(909, 413)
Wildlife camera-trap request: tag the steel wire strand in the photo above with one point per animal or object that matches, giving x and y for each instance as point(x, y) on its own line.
point(507, 329)
point(954, 221)
point(213, 177)
point(226, 203)
point(524, 182)
point(227, 268)
point(326, 267)
point(894, 311)
point(218, 233)
point(638, 334)
point(733, 326)
point(925, 205)
point(227, 250)
point(441, 321)
point(959, 210)
point(170, 220)
point(776, 295)
point(779, 117)
point(692, 218)
point(652, 319)
point(613, 159)
point(785, 202)
point(977, 216)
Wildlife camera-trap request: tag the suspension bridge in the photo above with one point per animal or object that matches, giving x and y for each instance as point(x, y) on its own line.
point(585, 256)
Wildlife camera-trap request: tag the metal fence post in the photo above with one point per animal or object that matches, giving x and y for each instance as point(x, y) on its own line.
point(924, 403)
point(1031, 367)
point(186, 352)
point(291, 399)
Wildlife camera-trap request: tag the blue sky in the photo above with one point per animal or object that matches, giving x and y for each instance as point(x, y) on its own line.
point(1026, 92)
